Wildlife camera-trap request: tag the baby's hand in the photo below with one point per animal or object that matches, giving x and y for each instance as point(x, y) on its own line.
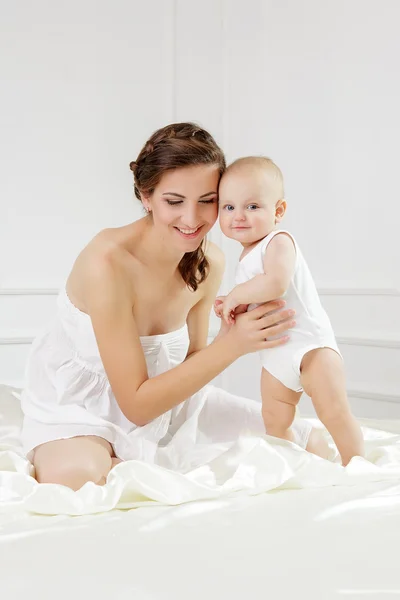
point(226, 305)
point(218, 306)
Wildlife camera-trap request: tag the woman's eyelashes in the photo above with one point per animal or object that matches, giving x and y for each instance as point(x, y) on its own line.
point(176, 202)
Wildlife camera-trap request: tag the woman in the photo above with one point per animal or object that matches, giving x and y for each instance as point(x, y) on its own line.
point(122, 371)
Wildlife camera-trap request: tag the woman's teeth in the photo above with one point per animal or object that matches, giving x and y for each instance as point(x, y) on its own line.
point(188, 231)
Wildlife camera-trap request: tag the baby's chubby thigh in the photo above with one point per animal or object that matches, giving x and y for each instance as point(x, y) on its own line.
point(278, 406)
point(279, 411)
point(281, 364)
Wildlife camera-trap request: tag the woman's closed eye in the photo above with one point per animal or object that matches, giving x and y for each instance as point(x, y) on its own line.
point(176, 202)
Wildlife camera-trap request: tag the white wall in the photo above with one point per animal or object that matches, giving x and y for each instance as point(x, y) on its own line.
point(83, 83)
point(313, 84)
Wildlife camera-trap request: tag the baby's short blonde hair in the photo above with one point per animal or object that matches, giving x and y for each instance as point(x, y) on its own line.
point(265, 164)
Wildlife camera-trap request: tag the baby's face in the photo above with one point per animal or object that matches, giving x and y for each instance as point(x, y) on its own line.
point(247, 202)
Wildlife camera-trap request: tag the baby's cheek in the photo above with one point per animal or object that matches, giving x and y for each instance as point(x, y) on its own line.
point(222, 221)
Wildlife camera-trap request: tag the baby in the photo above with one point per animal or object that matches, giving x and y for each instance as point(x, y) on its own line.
point(252, 204)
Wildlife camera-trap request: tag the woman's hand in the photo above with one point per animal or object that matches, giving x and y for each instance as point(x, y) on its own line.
point(252, 331)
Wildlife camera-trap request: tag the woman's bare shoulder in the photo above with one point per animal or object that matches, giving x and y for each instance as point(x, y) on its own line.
point(100, 265)
point(110, 246)
point(110, 241)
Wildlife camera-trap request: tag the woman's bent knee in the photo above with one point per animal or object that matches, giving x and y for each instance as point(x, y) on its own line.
point(72, 476)
point(72, 462)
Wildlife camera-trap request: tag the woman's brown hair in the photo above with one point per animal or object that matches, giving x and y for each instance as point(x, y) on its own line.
point(173, 147)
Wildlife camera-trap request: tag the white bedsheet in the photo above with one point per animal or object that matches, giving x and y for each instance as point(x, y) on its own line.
point(313, 535)
point(247, 466)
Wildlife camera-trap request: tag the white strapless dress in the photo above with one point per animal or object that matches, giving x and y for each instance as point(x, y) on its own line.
point(67, 394)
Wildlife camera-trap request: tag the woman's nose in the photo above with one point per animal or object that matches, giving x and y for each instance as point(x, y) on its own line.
point(191, 217)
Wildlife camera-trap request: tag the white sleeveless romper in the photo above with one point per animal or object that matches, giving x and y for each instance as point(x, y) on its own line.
point(313, 328)
point(67, 394)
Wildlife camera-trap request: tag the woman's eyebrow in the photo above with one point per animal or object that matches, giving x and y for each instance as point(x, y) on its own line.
point(208, 194)
point(180, 195)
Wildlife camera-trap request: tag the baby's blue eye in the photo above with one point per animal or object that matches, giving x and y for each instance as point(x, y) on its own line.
point(229, 207)
point(252, 206)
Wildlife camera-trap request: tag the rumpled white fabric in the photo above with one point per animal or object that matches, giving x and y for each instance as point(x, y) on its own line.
point(249, 465)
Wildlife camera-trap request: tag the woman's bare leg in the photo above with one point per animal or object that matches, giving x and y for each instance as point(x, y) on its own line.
point(74, 461)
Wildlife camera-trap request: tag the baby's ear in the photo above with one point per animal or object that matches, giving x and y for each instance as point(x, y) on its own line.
point(280, 209)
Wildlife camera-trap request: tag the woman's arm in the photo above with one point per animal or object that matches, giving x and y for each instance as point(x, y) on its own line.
point(198, 319)
point(142, 399)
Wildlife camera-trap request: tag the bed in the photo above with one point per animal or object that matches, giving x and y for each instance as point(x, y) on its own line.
point(308, 529)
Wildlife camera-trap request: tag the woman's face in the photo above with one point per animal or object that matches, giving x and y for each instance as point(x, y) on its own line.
point(184, 205)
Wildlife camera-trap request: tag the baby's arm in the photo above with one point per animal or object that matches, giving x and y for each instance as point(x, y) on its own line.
point(279, 263)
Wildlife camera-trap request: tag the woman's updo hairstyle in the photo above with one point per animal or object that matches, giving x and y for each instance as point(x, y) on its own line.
point(173, 147)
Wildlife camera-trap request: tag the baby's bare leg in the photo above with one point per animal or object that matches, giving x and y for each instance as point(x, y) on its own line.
point(278, 411)
point(322, 378)
point(278, 406)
